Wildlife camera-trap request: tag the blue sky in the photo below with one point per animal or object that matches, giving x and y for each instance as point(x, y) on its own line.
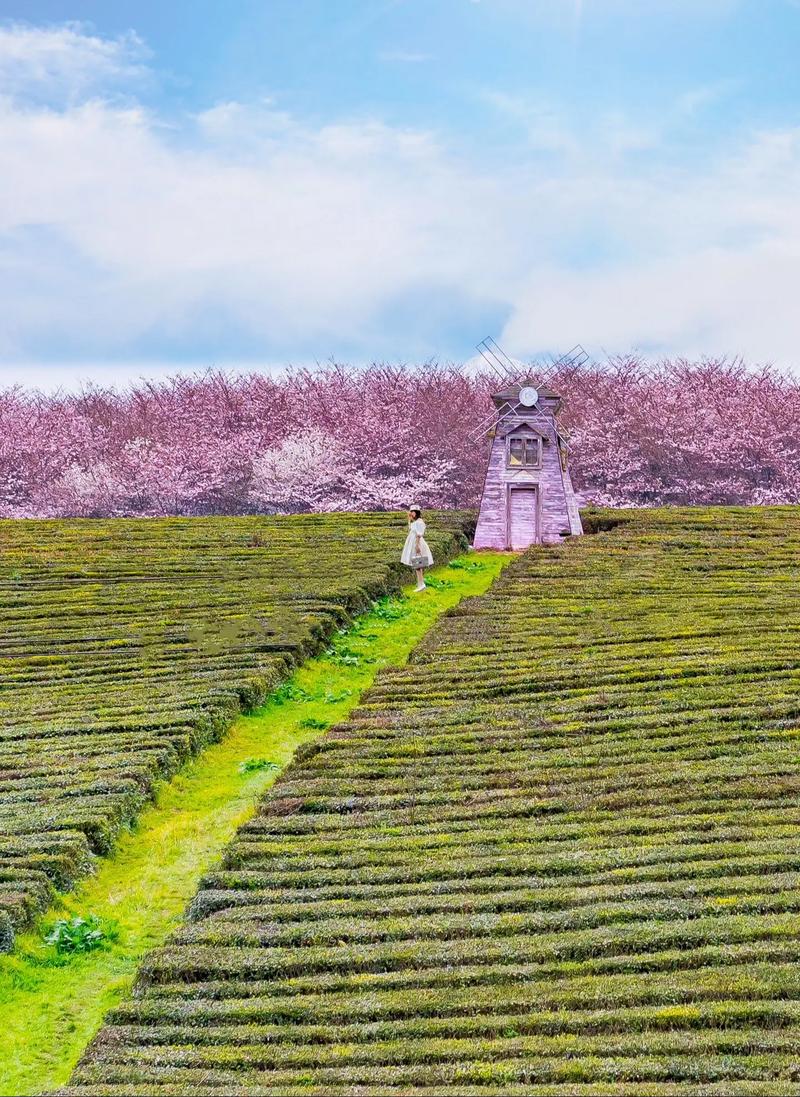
point(254, 183)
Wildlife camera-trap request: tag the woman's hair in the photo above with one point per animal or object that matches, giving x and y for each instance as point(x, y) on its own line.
point(416, 512)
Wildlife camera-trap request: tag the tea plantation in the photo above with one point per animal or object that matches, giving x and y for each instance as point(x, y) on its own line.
point(557, 853)
point(126, 645)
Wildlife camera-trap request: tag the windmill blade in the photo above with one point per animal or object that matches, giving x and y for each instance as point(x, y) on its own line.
point(509, 366)
point(573, 359)
point(489, 357)
point(507, 411)
point(576, 357)
point(506, 370)
point(495, 417)
point(489, 350)
point(495, 364)
point(479, 433)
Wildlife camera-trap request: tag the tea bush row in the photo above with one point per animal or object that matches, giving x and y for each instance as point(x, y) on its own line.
point(126, 645)
point(556, 853)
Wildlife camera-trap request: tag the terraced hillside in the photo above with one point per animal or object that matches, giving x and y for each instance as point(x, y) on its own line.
point(126, 645)
point(557, 853)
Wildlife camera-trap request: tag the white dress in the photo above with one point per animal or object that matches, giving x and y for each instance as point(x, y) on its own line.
point(410, 547)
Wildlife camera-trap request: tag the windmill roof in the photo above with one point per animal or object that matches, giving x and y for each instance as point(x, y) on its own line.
point(508, 426)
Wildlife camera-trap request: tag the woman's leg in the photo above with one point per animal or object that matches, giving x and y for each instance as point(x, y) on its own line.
point(420, 578)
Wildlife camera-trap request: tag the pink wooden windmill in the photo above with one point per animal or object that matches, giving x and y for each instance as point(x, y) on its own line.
point(528, 498)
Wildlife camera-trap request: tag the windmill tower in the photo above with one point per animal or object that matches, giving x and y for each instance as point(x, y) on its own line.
point(528, 498)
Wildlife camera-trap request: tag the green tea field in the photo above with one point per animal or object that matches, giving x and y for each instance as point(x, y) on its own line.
point(558, 852)
point(127, 646)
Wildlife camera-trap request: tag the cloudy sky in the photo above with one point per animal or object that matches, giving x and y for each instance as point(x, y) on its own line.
point(258, 182)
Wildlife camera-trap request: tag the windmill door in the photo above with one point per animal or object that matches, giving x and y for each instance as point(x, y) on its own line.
point(523, 513)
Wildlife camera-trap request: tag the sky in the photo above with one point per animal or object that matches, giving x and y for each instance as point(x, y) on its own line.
point(257, 183)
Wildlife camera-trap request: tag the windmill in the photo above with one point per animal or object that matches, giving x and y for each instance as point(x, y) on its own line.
point(528, 497)
point(507, 371)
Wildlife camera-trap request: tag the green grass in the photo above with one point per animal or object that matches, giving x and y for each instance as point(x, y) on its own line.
point(51, 1005)
point(556, 852)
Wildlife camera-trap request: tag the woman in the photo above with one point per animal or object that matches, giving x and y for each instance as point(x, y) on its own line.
point(416, 553)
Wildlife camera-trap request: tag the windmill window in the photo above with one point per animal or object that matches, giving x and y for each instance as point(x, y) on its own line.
point(524, 451)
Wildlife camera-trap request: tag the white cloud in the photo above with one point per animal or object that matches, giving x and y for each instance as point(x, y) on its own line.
point(713, 259)
point(541, 124)
point(696, 100)
point(52, 375)
point(710, 302)
point(118, 232)
point(65, 61)
point(117, 229)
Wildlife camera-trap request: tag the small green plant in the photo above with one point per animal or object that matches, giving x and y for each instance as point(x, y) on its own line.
point(290, 692)
point(79, 934)
point(466, 565)
point(344, 658)
point(332, 697)
point(313, 722)
point(254, 765)
point(389, 609)
point(438, 584)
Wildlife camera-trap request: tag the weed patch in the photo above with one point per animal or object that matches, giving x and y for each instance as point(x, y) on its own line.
point(70, 936)
point(257, 765)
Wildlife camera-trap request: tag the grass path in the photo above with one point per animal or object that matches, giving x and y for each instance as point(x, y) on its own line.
point(50, 1006)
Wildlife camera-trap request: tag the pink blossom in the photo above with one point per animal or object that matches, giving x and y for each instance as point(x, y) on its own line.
point(673, 432)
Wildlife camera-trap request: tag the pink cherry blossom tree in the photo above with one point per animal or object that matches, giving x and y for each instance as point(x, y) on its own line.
point(335, 438)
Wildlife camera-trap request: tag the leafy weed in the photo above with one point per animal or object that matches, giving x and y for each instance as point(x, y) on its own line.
point(78, 934)
point(254, 765)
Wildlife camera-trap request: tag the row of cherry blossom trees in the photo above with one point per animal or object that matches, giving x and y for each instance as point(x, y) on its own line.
point(337, 438)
